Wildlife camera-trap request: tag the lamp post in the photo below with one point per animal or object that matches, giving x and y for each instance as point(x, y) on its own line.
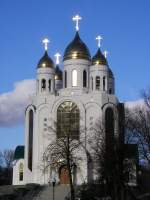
point(53, 184)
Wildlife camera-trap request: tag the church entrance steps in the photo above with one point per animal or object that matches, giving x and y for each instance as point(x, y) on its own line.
point(60, 192)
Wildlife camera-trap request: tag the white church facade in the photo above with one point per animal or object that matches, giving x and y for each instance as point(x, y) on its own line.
point(85, 87)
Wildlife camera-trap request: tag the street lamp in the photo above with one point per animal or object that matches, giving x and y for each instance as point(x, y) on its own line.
point(53, 184)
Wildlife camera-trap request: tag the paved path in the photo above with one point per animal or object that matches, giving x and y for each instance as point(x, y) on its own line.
point(61, 192)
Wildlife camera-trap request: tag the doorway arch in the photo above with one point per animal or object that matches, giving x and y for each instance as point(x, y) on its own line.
point(64, 175)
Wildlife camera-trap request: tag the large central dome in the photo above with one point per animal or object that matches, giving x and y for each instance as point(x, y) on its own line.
point(77, 50)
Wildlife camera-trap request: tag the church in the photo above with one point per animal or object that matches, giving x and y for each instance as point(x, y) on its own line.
point(86, 89)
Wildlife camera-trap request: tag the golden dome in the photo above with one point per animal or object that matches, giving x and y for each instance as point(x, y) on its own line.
point(45, 62)
point(99, 58)
point(77, 50)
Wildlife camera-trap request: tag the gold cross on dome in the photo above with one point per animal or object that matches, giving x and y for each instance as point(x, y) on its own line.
point(99, 38)
point(105, 54)
point(45, 42)
point(77, 18)
point(57, 55)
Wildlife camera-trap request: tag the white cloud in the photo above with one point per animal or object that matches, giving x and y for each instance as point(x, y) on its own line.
point(13, 103)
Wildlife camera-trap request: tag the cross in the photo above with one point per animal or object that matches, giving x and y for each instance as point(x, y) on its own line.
point(77, 18)
point(99, 38)
point(57, 55)
point(45, 42)
point(105, 54)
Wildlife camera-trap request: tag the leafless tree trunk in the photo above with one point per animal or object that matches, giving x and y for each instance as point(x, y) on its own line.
point(62, 151)
point(96, 142)
point(6, 164)
point(108, 168)
point(6, 157)
point(138, 125)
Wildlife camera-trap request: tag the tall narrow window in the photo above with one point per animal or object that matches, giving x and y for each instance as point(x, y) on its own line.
point(21, 172)
point(104, 83)
point(49, 85)
point(30, 140)
point(92, 83)
point(68, 120)
point(84, 78)
point(43, 84)
point(65, 79)
point(97, 83)
point(74, 78)
point(109, 128)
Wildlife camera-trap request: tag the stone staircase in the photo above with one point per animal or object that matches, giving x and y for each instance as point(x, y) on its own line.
point(60, 192)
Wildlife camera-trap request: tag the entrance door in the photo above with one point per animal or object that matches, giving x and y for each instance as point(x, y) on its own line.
point(64, 175)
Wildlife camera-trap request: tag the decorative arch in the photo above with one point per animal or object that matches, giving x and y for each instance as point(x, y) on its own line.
point(30, 139)
point(68, 120)
point(64, 175)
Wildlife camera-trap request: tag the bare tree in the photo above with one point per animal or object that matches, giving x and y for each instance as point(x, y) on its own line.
point(108, 165)
point(6, 160)
point(63, 150)
point(138, 125)
point(6, 157)
point(96, 141)
point(1, 158)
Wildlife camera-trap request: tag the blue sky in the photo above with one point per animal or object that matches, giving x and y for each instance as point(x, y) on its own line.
point(123, 24)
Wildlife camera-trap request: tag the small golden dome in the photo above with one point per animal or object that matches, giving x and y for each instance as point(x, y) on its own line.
point(45, 62)
point(99, 58)
point(77, 50)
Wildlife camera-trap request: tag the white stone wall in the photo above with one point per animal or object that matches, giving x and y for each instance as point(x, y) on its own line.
point(92, 106)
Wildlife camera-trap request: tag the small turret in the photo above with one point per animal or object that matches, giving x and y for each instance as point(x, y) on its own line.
point(101, 76)
point(45, 72)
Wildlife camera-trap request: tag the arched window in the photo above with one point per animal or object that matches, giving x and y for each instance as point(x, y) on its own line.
point(110, 91)
point(65, 79)
point(43, 84)
point(68, 117)
point(104, 84)
point(109, 129)
point(97, 83)
point(21, 172)
point(49, 84)
point(30, 140)
point(84, 78)
point(92, 83)
point(74, 78)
